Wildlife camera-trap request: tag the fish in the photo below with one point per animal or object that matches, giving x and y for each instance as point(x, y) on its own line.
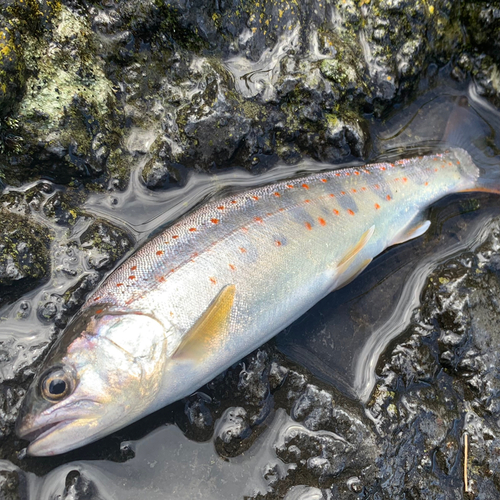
point(219, 283)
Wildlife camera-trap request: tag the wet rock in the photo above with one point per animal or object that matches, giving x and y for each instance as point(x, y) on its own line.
point(295, 82)
point(105, 244)
point(232, 428)
point(441, 383)
point(80, 487)
point(23, 250)
point(12, 483)
point(62, 208)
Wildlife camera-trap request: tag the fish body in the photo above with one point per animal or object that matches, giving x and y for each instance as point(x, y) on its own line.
point(220, 282)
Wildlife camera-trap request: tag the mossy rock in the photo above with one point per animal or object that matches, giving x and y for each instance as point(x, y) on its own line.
point(23, 249)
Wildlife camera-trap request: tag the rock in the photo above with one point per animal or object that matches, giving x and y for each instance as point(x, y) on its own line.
point(105, 244)
point(13, 485)
point(447, 368)
point(23, 249)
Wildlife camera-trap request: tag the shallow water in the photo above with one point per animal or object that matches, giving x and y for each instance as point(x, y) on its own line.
point(339, 340)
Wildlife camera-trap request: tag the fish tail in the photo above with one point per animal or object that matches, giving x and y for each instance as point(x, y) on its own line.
point(467, 129)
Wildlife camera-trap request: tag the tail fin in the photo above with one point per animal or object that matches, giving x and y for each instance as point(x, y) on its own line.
point(470, 130)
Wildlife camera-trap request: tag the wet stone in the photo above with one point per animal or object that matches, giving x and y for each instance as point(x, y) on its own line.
point(23, 249)
point(12, 484)
point(443, 381)
point(79, 487)
point(105, 244)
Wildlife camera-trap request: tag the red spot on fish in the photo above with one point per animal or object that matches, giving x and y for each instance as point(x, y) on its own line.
point(388, 197)
point(119, 284)
point(234, 202)
point(307, 201)
point(305, 186)
point(376, 186)
point(363, 189)
point(435, 159)
point(405, 179)
point(449, 163)
point(377, 206)
point(255, 197)
point(129, 301)
point(356, 172)
point(337, 174)
point(213, 281)
point(383, 168)
point(194, 255)
point(99, 311)
point(214, 221)
point(342, 193)
point(392, 164)
point(258, 219)
point(348, 174)
point(331, 195)
point(458, 163)
point(308, 226)
point(353, 190)
point(132, 277)
point(396, 179)
point(175, 237)
point(232, 267)
point(133, 268)
point(350, 212)
point(336, 212)
point(435, 170)
point(324, 180)
point(172, 270)
point(426, 183)
point(161, 279)
point(220, 207)
point(96, 298)
point(243, 250)
point(159, 252)
point(192, 229)
point(277, 194)
point(322, 221)
point(244, 229)
point(289, 186)
point(278, 243)
point(281, 209)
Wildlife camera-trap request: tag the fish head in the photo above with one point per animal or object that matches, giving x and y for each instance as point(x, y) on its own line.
point(104, 373)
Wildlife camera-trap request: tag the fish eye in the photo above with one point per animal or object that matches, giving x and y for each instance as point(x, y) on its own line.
point(56, 385)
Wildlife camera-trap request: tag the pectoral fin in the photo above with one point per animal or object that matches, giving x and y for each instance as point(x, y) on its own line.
point(209, 330)
point(414, 232)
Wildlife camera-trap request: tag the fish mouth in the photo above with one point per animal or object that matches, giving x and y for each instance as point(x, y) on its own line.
point(33, 435)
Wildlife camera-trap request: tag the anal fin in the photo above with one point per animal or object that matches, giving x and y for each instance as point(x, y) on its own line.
point(208, 333)
point(413, 232)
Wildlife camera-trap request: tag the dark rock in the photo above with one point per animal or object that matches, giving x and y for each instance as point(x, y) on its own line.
point(80, 487)
point(105, 244)
point(442, 382)
point(12, 484)
point(23, 249)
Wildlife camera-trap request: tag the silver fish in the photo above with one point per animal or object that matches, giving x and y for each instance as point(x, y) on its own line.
point(219, 283)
